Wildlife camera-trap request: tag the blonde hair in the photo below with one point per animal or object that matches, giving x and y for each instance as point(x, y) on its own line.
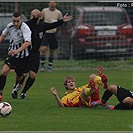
point(68, 78)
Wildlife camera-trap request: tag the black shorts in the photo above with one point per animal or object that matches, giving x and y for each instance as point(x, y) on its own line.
point(50, 39)
point(20, 65)
point(34, 62)
point(122, 93)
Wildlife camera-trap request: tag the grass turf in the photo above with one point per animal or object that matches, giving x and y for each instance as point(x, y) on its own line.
point(40, 112)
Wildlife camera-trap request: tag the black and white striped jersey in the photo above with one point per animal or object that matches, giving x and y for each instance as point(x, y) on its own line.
point(18, 37)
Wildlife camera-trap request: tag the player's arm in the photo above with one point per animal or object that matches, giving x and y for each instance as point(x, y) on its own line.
point(2, 38)
point(4, 34)
point(24, 46)
point(54, 92)
point(47, 26)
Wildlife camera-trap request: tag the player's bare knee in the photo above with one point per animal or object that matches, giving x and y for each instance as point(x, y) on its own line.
point(4, 73)
point(128, 100)
point(32, 75)
point(112, 88)
point(43, 50)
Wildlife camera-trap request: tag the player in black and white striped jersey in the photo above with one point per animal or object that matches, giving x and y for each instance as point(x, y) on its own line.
point(38, 28)
point(18, 52)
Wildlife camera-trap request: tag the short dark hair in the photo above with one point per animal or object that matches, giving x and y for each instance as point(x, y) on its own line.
point(16, 14)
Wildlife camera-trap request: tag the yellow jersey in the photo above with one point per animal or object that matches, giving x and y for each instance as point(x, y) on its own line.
point(73, 99)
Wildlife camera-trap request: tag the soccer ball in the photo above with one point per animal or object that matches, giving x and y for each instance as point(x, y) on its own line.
point(5, 109)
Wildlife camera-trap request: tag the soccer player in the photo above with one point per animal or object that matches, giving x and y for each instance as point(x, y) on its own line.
point(50, 15)
point(81, 96)
point(38, 28)
point(20, 41)
point(124, 96)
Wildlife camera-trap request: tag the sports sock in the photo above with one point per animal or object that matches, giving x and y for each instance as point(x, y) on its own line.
point(51, 58)
point(107, 94)
point(28, 84)
point(2, 82)
point(42, 60)
point(22, 80)
point(122, 106)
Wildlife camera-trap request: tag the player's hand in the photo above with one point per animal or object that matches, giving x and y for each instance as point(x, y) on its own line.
point(67, 17)
point(53, 91)
point(12, 52)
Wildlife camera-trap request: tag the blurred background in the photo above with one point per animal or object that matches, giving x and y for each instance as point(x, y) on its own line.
point(99, 31)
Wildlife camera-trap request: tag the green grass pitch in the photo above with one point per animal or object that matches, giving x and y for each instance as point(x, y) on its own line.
point(40, 112)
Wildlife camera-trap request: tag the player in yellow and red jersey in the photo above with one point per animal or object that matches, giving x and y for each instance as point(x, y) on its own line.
point(81, 96)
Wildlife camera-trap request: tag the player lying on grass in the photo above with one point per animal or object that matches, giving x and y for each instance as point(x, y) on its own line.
point(124, 96)
point(81, 96)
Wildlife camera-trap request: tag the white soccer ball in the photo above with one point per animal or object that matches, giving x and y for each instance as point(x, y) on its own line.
point(5, 109)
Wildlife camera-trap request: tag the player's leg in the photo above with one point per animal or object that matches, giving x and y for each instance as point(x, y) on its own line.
point(8, 65)
point(85, 95)
point(112, 89)
point(44, 47)
point(53, 45)
point(18, 85)
point(129, 102)
point(34, 66)
point(21, 70)
point(43, 58)
point(50, 61)
point(30, 81)
point(5, 70)
point(125, 98)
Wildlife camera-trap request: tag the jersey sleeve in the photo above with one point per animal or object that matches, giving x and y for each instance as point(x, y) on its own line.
point(6, 30)
point(26, 32)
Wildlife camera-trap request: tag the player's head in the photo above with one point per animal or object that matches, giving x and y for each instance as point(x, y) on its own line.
point(69, 82)
point(35, 13)
point(17, 19)
point(52, 4)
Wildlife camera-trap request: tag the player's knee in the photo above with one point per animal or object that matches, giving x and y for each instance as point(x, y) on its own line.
point(4, 72)
point(128, 100)
point(32, 75)
point(112, 88)
point(43, 50)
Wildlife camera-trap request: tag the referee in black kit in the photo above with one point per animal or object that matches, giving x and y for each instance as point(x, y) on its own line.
point(38, 28)
point(18, 51)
